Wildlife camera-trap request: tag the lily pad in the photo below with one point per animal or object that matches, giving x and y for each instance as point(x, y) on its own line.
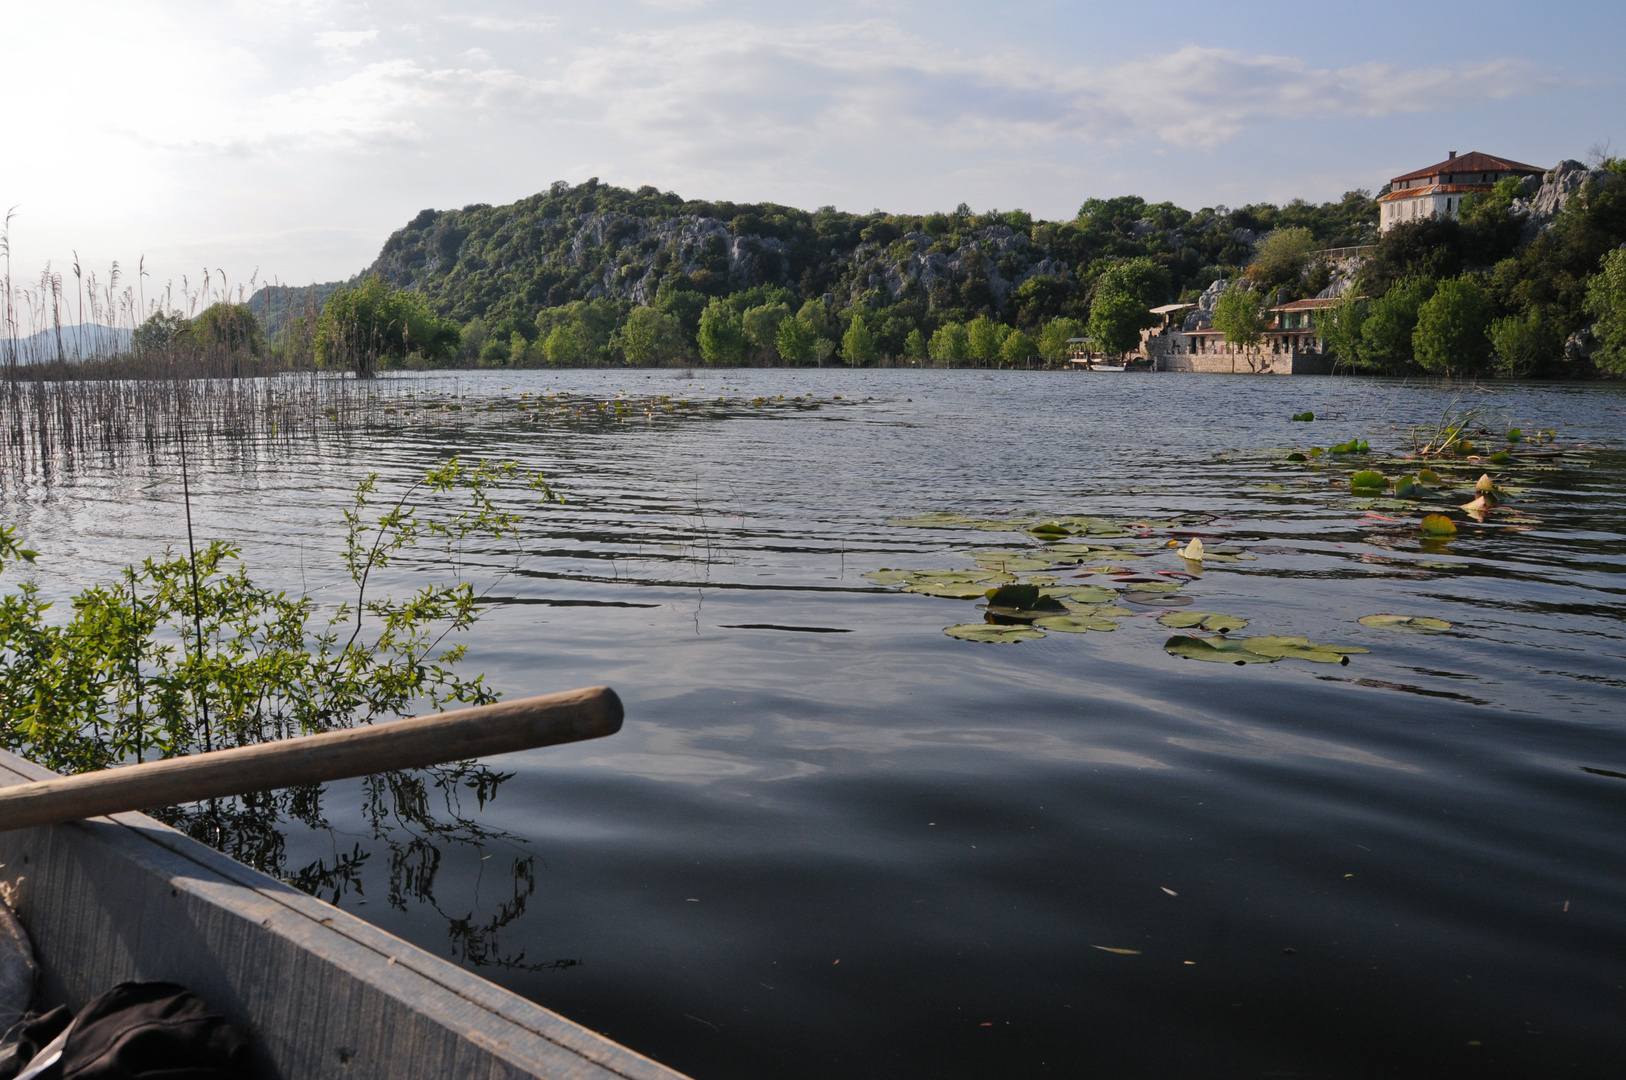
point(1304, 416)
point(1013, 562)
point(1208, 620)
point(1353, 446)
point(1152, 599)
point(1411, 487)
point(1084, 594)
point(886, 576)
point(1155, 586)
point(1405, 622)
point(989, 633)
point(1193, 551)
point(1438, 525)
point(1296, 456)
point(1074, 624)
point(1213, 650)
point(1100, 611)
point(1047, 529)
point(1024, 602)
point(1072, 549)
point(1369, 480)
point(962, 590)
point(1428, 476)
point(1299, 648)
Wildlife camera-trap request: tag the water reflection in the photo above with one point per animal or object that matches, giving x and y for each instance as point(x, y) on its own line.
point(411, 818)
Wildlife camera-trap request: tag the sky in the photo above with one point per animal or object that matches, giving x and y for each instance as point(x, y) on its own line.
point(286, 139)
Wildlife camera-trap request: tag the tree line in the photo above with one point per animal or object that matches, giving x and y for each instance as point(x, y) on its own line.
point(525, 285)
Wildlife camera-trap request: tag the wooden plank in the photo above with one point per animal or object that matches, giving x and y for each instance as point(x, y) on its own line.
point(503, 728)
point(322, 993)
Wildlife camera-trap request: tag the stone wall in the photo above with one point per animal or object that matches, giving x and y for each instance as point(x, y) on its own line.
point(1172, 351)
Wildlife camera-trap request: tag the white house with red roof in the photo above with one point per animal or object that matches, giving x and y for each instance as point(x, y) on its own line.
point(1438, 190)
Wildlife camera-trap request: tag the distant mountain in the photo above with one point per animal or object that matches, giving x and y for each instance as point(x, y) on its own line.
point(82, 342)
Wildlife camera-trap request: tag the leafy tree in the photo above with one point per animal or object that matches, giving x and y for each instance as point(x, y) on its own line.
point(563, 347)
point(1017, 348)
point(1140, 279)
point(1391, 320)
point(1053, 338)
point(649, 336)
point(1606, 301)
point(761, 325)
point(680, 300)
point(914, 346)
point(1339, 327)
point(1426, 248)
point(360, 327)
point(722, 336)
point(520, 351)
point(794, 340)
point(1279, 257)
point(1522, 345)
point(858, 344)
point(159, 331)
point(1240, 314)
point(984, 337)
point(1450, 335)
point(230, 327)
point(1116, 320)
point(950, 344)
point(1041, 298)
point(816, 316)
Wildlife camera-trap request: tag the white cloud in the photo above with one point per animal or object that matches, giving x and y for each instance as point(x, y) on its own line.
point(345, 40)
point(728, 85)
point(246, 125)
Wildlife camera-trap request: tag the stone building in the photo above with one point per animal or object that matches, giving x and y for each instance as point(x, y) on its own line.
point(1438, 190)
point(1290, 345)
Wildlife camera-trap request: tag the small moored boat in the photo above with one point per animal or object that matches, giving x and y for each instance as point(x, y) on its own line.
point(320, 992)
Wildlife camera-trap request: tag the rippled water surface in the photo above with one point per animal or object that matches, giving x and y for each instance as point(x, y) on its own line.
point(832, 841)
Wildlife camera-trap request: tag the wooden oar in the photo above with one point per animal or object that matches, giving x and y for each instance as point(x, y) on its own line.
point(402, 744)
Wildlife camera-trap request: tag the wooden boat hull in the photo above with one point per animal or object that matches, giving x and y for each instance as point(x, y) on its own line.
point(321, 992)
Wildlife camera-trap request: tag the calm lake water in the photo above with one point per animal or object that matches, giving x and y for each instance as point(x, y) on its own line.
point(833, 841)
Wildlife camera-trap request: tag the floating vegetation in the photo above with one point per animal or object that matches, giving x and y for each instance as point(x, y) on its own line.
point(1084, 594)
point(1022, 603)
point(1353, 446)
point(1255, 650)
point(1368, 482)
point(1207, 620)
point(1305, 417)
point(1074, 623)
point(1405, 622)
point(961, 521)
point(1438, 525)
point(988, 632)
point(1193, 551)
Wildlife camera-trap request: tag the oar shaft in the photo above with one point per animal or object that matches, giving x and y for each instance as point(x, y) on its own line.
point(402, 744)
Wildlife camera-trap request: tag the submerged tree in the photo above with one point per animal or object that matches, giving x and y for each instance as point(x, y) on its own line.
point(361, 327)
point(1606, 301)
point(1450, 335)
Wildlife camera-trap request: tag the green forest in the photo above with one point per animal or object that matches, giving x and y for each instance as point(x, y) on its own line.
point(593, 274)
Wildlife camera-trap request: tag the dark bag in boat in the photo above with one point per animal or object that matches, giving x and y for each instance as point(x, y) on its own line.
point(151, 1031)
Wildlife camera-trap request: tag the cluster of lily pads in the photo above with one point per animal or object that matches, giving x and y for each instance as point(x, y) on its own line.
point(1419, 485)
point(1025, 596)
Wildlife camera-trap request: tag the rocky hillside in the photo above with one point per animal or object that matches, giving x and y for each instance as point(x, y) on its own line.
point(505, 264)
